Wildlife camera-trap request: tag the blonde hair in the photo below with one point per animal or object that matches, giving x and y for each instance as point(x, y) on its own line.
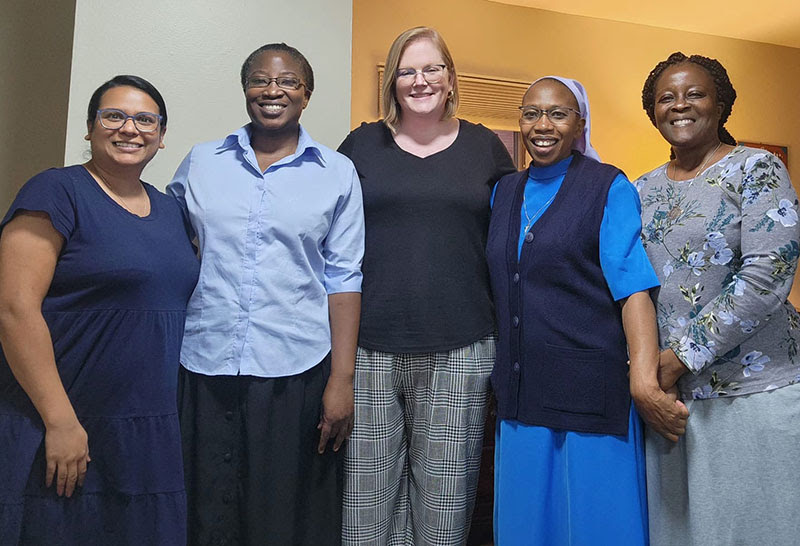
point(391, 108)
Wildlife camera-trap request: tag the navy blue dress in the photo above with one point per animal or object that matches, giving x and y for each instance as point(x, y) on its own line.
point(115, 309)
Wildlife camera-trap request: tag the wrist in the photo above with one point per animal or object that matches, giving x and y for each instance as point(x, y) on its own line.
point(341, 378)
point(671, 364)
point(60, 419)
point(644, 389)
point(644, 372)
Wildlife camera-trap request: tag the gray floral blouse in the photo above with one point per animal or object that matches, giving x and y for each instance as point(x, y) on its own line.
point(725, 248)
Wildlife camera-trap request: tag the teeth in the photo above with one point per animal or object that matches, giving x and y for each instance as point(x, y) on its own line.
point(272, 108)
point(681, 122)
point(127, 145)
point(544, 143)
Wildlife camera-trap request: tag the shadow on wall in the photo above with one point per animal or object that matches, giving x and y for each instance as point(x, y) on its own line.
point(35, 59)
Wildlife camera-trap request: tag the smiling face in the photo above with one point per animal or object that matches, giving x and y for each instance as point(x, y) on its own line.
point(126, 146)
point(687, 112)
point(548, 142)
point(272, 109)
point(416, 96)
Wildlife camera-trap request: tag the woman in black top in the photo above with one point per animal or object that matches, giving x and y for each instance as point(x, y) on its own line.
point(426, 345)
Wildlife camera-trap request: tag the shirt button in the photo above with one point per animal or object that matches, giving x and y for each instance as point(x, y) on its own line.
point(516, 366)
point(528, 237)
point(515, 320)
point(227, 457)
point(229, 415)
point(516, 278)
point(227, 498)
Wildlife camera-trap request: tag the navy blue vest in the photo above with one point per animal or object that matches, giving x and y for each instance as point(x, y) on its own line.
point(561, 352)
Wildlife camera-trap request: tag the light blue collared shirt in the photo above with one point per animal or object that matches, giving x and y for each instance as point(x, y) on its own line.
point(273, 246)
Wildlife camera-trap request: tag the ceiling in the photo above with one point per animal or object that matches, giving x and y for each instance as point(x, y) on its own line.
point(769, 21)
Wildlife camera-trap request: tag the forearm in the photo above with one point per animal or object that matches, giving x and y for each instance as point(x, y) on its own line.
point(641, 334)
point(28, 348)
point(344, 311)
point(661, 411)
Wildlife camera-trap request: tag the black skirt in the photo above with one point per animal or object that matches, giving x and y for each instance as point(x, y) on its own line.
point(253, 474)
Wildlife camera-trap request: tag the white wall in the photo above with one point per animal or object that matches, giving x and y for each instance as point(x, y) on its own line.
point(192, 52)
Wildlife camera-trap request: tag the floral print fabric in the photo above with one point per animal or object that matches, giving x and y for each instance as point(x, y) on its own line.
point(725, 248)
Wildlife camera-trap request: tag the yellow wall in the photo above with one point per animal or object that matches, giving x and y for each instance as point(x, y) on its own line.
point(611, 59)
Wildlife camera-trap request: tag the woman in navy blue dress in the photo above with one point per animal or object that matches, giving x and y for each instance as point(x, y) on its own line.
point(95, 272)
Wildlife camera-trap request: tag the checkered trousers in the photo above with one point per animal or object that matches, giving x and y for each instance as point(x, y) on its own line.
point(412, 462)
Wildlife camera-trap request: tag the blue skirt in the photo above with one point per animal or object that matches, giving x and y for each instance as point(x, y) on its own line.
point(556, 487)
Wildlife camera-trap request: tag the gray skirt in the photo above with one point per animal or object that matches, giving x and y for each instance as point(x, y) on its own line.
point(734, 478)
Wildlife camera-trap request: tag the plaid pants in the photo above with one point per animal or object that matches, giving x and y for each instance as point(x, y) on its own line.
point(412, 462)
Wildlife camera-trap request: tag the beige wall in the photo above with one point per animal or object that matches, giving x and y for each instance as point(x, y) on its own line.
point(35, 53)
point(611, 59)
point(192, 52)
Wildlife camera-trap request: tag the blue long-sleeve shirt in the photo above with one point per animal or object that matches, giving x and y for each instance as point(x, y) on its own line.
point(273, 246)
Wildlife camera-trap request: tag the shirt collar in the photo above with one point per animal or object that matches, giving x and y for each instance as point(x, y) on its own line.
point(551, 171)
point(305, 144)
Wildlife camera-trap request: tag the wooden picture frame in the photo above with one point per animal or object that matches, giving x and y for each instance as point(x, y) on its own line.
point(782, 152)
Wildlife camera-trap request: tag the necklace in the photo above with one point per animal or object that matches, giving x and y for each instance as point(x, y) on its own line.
point(530, 218)
point(708, 158)
point(115, 194)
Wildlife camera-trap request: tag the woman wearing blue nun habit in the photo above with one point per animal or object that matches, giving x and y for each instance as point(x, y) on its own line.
point(570, 280)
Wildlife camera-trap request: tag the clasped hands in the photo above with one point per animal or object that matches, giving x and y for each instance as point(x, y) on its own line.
point(655, 394)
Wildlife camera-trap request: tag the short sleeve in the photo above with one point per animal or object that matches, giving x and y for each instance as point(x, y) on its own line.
point(502, 160)
point(177, 189)
point(344, 245)
point(346, 147)
point(622, 256)
point(494, 191)
point(50, 192)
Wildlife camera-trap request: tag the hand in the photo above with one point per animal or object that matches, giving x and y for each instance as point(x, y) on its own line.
point(662, 411)
point(337, 413)
point(67, 454)
point(670, 369)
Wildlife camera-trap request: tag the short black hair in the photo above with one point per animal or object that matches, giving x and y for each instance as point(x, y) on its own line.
point(305, 66)
point(726, 94)
point(126, 80)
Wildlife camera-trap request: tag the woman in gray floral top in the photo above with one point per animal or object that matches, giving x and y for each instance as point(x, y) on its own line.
point(720, 226)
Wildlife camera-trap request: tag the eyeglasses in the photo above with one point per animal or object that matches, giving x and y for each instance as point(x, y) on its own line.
point(557, 115)
point(284, 82)
point(432, 73)
point(112, 118)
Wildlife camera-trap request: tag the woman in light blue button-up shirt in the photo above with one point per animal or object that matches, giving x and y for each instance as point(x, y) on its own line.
point(267, 376)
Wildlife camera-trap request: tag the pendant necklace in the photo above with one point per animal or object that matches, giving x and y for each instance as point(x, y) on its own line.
point(530, 218)
point(676, 211)
point(125, 204)
point(703, 166)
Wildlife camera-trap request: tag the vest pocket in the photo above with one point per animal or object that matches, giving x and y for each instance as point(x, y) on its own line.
point(573, 380)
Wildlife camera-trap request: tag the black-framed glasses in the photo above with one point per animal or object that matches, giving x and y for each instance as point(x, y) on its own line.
point(557, 114)
point(284, 82)
point(433, 73)
point(113, 118)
